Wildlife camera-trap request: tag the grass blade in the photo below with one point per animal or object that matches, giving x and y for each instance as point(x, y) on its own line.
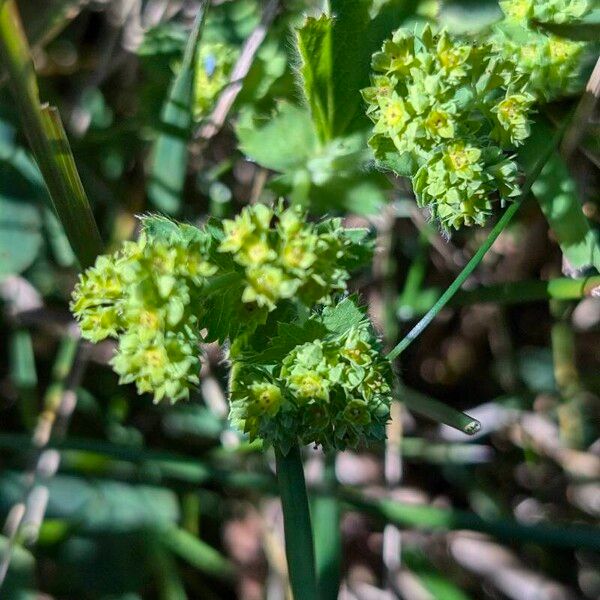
point(512, 292)
point(47, 139)
point(169, 159)
point(196, 552)
point(444, 519)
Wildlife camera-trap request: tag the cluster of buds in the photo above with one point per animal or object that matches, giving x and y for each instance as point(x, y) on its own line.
point(284, 256)
point(148, 296)
point(449, 113)
point(334, 392)
point(552, 64)
point(179, 285)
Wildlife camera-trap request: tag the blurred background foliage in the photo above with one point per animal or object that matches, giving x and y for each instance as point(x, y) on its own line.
point(106, 496)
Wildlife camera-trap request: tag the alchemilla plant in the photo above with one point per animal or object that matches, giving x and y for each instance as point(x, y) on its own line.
point(449, 114)
point(266, 279)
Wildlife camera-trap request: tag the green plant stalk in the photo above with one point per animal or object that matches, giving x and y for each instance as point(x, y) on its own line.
point(299, 546)
point(24, 375)
point(438, 411)
point(47, 139)
point(416, 331)
point(572, 416)
point(327, 513)
point(443, 519)
point(533, 170)
point(168, 581)
point(513, 292)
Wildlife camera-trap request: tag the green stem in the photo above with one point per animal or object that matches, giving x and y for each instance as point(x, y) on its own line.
point(511, 292)
point(414, 333)
point(537, 155)
point(328, 537)
point(299, 547)
point(424, 517)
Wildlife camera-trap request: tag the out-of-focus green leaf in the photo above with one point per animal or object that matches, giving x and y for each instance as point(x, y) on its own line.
point(98, 506)
point(185, 420)
point(331, 176)
point(21, 193)
point(24, 374)
point(469, 16)
point(556, 193)
point(536, 370)
point(283, 142)
point(20, 578)
point(166, 39)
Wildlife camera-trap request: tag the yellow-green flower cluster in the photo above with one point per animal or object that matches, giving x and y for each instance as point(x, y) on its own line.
point(333, 392)
point(147, 296)
point(446, 113)
point(179, 285)
point(551, 64)
point(214, 62)
point(284, 256)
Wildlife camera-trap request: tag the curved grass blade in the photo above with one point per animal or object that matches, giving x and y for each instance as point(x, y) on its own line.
point(48, 140)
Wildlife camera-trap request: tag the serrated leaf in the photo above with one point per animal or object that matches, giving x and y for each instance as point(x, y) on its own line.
point(219, 316)
point(289, 335)
point(282, 142)
point(314, 40)
point(342, 317)
point(336, 55)
point(557, 196)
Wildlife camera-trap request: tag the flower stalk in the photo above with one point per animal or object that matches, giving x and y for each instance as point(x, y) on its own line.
point(299, 546)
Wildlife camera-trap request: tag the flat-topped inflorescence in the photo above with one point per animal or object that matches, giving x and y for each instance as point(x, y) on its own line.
point(449, 114)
